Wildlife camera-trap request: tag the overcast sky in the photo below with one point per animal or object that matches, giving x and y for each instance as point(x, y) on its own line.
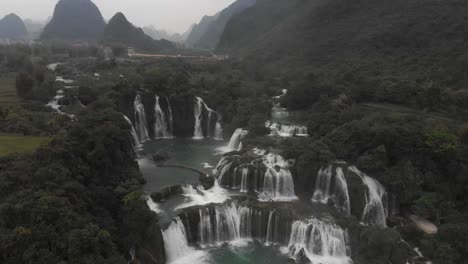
point(172, 15)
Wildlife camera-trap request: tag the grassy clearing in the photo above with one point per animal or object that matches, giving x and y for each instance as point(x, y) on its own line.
point(10, 144)
point(8, 90)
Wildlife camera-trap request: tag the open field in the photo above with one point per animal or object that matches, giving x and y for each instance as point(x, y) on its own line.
point(10, 143)
point(8, 90)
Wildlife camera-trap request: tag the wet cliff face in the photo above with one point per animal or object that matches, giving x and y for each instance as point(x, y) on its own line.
point(183, 114)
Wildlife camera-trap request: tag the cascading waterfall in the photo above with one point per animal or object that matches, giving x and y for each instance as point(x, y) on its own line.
point(283, 130)
point(136, 141)
point(320, 242)
point(235, 143)
point(278, 181)
point(176, 243)
point(268, 175)
point(332, 187)
point(196, 196)
point(376, 209)
point(161, 128)
point(140, 119)
point(198, 111)
point(245, 174)
point(238, 225)
point(198, 131)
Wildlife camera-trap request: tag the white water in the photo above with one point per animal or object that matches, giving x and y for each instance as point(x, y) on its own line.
point(136, 141)
point(283, 130)
point(54, 103)
point(375, 211)
point(198, 131)
point(198, 111)
point(225, 223)
point(140, 119)
point(321, 243)
point(197, 196)
point(177, 248)
point(278, 182)
point(245, 174)
point(235, 143)
point(152, 205)
point(332, 187)
point(161, 127)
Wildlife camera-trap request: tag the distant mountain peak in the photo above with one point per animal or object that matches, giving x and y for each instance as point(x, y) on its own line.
point(75, 20)
point(207, 33)
point(12, 27)
point(120, 31)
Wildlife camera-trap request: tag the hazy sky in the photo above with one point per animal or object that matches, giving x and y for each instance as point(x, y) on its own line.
point(172, 15)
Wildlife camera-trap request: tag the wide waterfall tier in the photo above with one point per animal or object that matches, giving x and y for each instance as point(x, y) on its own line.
point(286, 130)
point(237, 224)
point(241, 224)
point(319, 242)
point(266, 175)
point(160, 117)
point(141, 123)
point(352, 192)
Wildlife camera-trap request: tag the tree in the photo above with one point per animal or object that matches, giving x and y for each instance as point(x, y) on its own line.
point(24, 84)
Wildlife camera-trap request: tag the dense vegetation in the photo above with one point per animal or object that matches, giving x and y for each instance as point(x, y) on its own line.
point(381, 85)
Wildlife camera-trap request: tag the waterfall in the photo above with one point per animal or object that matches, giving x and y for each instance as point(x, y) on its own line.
point(320, 242)
point(161, 128)
point(332, 187)
point(245, 174)
point(268, 175)
point(375, 212)
point(269, 229)
point(278, 181)
point(197, 196)
point(198, 111)
point(171, 119)
point(140, 119)
point(176, 244)
point(235, 143)
point(136, 141)
point(238, 225)
point(283, 130)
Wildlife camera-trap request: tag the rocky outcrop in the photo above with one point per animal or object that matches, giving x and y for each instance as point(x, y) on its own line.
point(166, 192)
